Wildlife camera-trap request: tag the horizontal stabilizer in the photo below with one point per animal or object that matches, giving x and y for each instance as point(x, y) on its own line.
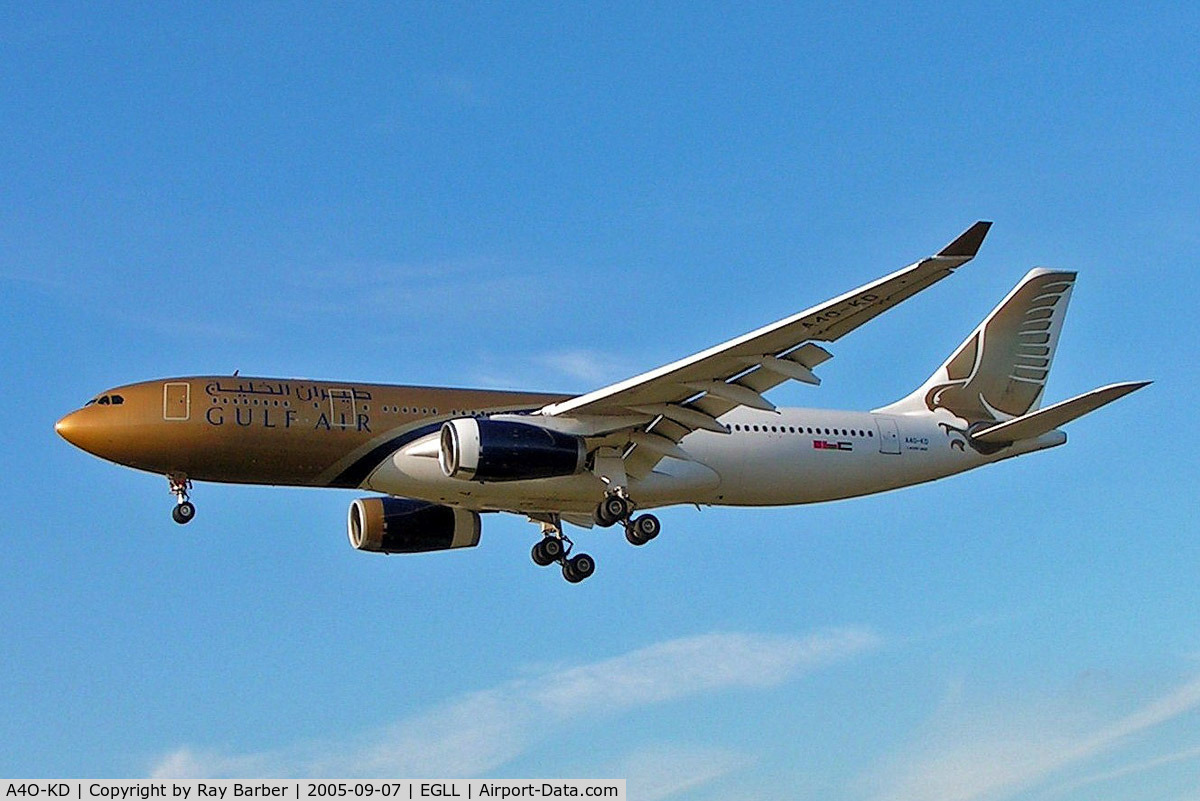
point(1029, 426)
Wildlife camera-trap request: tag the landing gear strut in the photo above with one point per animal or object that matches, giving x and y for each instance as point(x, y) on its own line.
point(184, 509)
point(556, 547)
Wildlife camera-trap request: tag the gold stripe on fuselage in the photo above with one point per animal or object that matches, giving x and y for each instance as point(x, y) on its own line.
point(269, 430)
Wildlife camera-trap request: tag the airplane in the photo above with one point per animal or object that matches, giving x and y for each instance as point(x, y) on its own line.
point(697, 431)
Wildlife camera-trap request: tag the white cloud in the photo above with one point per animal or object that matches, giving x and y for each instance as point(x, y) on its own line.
point(452, 293)
point(479, 731)
point(1135, 768)
point(658, 772)
point(994, 754)
point(593, 366)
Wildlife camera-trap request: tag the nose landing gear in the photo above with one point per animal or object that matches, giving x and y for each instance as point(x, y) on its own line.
point(184, 509)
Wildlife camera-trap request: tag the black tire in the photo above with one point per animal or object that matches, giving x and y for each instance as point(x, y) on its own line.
point(647, 527)
point(601, 518)
point(579, 567)
point(539, 555)
point(552, 547)
point(612, 509)
point(183, 512)
point(633, 537)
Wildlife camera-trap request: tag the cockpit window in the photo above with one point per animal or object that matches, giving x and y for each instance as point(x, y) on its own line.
point(106, 400)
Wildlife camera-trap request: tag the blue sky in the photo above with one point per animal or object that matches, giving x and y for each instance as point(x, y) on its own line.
point(553, 197)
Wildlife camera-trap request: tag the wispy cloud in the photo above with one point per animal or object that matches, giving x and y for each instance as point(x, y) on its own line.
point(572, 370)
point(993, 756)
point(664, 771)
point(480, 731)
point(445, 291)
point(1187, 755)
point(592, 366)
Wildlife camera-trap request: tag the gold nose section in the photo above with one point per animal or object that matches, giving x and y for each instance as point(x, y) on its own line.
point(68, 428)
point(81, 429)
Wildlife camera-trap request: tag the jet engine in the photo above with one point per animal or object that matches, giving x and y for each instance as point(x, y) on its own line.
point(401, 525)
point(480, 449)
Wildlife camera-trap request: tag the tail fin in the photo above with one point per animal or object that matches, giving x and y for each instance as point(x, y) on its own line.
point(1000, 371)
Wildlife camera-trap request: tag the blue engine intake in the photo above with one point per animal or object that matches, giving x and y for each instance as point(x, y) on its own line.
point(479, 449)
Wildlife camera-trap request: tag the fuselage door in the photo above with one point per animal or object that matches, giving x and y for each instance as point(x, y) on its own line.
point(889, 435)
point(176, 400)
point(341, 408)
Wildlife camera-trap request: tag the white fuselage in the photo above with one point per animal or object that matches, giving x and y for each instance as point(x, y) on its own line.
point(792, 456)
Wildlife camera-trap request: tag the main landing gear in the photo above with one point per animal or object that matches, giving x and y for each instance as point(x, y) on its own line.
point(556, 547)
point(184, 509)
point(616, 508)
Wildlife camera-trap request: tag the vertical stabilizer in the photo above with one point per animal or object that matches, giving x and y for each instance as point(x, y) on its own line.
point(1000, 371)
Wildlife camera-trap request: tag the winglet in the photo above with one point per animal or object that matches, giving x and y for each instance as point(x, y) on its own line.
point(968, 242)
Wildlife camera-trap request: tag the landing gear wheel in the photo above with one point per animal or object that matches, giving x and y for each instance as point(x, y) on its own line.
point(612, 509)
point(642, 529)
point(553, 548)
point(183, 512)
point(548, 551)
point(577, 568)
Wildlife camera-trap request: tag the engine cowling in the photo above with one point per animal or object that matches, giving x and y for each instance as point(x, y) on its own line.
point(401, 525)
point(480, 449)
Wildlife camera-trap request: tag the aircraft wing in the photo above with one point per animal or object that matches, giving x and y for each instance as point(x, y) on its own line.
point(691, 393)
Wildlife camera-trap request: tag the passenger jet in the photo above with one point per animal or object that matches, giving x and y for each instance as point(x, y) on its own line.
point(697, 431)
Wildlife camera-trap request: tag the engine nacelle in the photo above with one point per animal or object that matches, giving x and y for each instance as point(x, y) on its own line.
point(480, 449)
point(400, 525)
